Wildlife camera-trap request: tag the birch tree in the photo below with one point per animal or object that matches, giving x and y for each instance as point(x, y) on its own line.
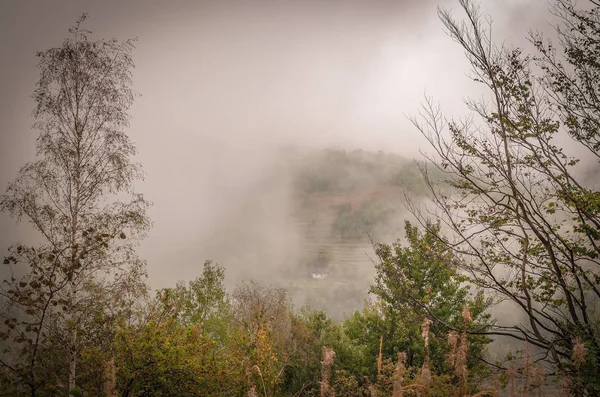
point(78, 195)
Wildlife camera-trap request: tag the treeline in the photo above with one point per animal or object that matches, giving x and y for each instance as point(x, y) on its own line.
point(340, 171)
point(196, 339)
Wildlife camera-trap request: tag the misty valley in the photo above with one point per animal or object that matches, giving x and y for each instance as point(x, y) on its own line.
point(265, 264)
point(321, 250)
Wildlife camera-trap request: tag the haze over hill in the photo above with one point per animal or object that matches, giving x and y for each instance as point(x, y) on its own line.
point(316, 214)
point(224, 86)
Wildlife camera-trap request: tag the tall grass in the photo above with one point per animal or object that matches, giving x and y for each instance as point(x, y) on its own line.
point(398, 380)
point(326, 366)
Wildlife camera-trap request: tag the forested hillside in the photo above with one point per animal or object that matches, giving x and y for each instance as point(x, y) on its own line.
point(343, 203)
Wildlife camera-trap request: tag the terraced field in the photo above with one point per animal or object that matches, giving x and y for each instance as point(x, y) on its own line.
point(316, 223)
point(335, 271)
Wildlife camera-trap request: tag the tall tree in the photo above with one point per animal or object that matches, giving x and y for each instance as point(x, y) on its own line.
point(526, 225)
point(71, 197)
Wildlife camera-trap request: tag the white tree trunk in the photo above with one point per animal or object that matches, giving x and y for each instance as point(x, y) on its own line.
point(73, 352)
point(72, 359)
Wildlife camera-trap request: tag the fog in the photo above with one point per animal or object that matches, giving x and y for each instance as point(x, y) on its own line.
point(226, 85)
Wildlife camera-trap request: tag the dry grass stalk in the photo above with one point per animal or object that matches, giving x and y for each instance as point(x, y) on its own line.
point(466, 315)
point(566, 383)
point(252, 391)
point(397, 390)
point(460, 363)
point(425, 370)
point(527, 370)
point(110, 379)
point(380, 356)
point(511, 374)
point(326, 365)
point(256, 369)
point(453, 344)
point(537, 381)
point(528, 358)
point(425, 331)
point(578, 355)
point(452, 339)
point(460, 353)
point(426, 376)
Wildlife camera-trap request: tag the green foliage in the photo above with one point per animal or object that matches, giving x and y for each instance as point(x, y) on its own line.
point(263, 342)
point(311, 330)
point(182, 347)
point(345, 384)
point(203, 301)
point(351, 224)
point(417, 281)
point(167, 358)
point(76, 317)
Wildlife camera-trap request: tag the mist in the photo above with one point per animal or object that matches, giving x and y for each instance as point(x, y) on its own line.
point(227, 88)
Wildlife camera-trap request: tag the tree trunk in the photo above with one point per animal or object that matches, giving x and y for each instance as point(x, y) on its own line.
point(72, 359)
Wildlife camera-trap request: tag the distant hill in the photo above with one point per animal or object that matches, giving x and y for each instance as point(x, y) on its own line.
point(338, 171)
point(342, 200)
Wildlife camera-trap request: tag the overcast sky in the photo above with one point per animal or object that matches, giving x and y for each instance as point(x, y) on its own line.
point(224, 82)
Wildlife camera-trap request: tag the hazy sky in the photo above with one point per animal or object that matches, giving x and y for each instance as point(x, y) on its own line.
point(224, 82)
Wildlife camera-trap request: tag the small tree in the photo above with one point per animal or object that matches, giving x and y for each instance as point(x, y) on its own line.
point(421, 281)
point(68, 195)
point(263, 333)
point(204, 300)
